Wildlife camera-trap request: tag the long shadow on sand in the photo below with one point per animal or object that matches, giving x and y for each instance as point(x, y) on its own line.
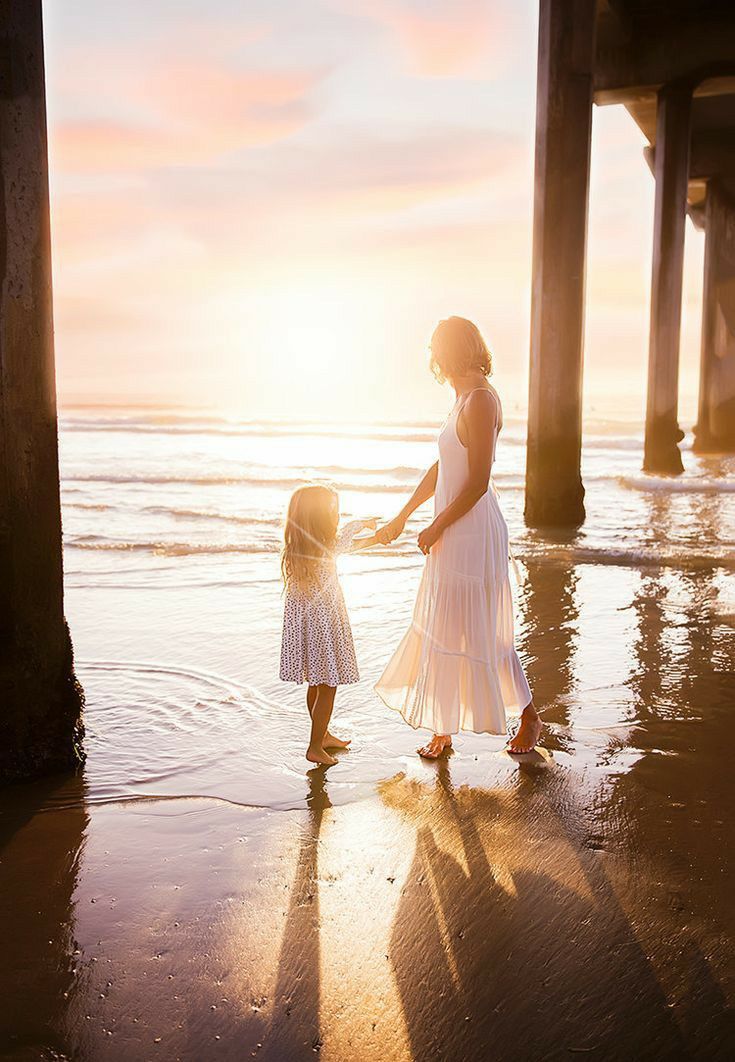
point(495, 960)
point(294, 1032)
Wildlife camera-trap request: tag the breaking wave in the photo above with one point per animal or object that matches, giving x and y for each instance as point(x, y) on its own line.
point(682, 485)
point(535, 553)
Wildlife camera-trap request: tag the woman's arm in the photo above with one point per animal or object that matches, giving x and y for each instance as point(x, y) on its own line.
point(480, 415)
point(423, 492)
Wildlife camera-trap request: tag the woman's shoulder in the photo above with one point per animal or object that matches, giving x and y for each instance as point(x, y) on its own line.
point(484, 408)
point(485, 398)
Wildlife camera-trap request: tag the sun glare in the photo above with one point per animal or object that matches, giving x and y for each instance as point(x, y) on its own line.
point(305, 350)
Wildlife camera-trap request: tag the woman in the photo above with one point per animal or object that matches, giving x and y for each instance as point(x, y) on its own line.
point(456, 667)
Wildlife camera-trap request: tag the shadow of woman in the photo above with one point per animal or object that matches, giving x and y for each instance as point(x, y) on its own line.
point(508, 941)
point(294, 1030)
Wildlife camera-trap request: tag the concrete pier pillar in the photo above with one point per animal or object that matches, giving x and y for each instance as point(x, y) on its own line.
point(673, 117)
point(715, 430)
point(554, 492)
point(40, 725)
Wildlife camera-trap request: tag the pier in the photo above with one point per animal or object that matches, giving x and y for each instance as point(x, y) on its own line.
point(672, 65)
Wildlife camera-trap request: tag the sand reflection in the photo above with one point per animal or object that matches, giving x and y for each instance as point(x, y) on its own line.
point(41, 860)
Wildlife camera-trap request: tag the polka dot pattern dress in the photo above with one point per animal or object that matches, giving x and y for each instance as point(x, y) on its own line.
point(317, 645)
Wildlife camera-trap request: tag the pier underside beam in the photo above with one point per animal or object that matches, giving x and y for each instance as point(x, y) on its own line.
point(554, 491)
point(715, 430)
point(661, 453)
point(40, 726)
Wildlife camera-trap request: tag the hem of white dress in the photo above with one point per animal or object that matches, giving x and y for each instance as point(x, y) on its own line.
point(321, 682)
point(513, 713)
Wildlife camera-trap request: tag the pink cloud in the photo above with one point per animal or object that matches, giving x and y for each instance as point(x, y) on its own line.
point(193, 112)
point(442, 38)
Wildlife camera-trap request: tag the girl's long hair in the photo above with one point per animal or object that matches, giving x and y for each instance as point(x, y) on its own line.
point(309, 535)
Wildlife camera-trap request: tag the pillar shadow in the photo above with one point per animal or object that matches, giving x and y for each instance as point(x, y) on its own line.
point(547, 601)
point(684, 684)
point(678, 674)
point(504, 948)
point(294, 1032)
point(41, 850)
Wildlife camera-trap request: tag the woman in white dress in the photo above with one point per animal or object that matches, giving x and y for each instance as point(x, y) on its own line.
point(456, 668)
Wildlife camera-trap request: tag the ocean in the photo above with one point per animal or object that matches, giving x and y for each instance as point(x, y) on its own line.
point(172, 525)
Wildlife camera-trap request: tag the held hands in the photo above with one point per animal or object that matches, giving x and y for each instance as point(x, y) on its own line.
point(389, 532)
point(428, 538)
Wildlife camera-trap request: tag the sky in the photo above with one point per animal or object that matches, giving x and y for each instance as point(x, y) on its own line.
point(265, 206)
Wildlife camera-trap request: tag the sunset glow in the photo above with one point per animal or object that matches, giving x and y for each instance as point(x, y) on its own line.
point(266, 206)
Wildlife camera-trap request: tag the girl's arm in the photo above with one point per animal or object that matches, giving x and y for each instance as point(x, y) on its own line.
point(365, 543)
point(347, 541)
point(480, 416)
point(423, 492)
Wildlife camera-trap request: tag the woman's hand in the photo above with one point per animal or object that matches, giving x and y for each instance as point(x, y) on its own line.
point(390, 531)
point(428, 538)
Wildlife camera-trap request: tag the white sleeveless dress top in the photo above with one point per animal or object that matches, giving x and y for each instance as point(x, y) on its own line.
point(456, 667)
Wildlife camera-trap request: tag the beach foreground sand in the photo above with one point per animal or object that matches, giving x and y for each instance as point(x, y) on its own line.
point(575, 902)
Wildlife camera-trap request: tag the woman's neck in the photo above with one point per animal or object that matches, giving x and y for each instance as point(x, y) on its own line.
point(470, 382)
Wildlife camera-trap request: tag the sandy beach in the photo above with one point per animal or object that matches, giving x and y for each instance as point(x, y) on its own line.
point(572, 903)
point(197, 893)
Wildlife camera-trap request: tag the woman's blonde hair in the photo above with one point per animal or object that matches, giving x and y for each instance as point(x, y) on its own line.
point(309, 535)
point(457, 348)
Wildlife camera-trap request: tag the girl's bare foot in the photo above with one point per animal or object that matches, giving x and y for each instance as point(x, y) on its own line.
point(318, 755)
point(528, 733)
point(433, 749)
point(332, 742)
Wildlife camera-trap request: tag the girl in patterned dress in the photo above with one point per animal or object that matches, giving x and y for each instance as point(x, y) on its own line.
point(317, 646)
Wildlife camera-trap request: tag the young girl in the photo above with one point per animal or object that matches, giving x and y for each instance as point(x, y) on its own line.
point(317, 645)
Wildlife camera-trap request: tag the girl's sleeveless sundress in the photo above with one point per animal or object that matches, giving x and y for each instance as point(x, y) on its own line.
point(316, 643)
point(456, 667)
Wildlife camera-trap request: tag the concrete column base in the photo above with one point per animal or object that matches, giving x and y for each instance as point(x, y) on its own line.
point(31, 746)
point(554, 490)
point(722, 439)
point(661, 451)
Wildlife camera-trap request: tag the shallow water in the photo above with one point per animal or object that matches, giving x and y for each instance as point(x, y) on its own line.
point(172, 530)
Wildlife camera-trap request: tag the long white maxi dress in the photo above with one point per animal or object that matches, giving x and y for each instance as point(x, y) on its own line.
point(456, 667)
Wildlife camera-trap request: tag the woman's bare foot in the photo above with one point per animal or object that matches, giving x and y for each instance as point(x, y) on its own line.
point(526, 739)
point(332, 742)
point(318, 755)
point(433, 749)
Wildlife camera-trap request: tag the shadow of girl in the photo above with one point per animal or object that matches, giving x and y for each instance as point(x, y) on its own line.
point(294, 1031)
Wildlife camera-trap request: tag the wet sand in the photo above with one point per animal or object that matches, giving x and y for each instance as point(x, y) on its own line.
point(572, 903)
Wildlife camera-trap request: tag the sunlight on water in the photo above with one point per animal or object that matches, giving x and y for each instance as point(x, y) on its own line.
point(172, 530)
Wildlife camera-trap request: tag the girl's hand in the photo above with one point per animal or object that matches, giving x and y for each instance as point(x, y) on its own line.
point(390, 531)
point(428, 538)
